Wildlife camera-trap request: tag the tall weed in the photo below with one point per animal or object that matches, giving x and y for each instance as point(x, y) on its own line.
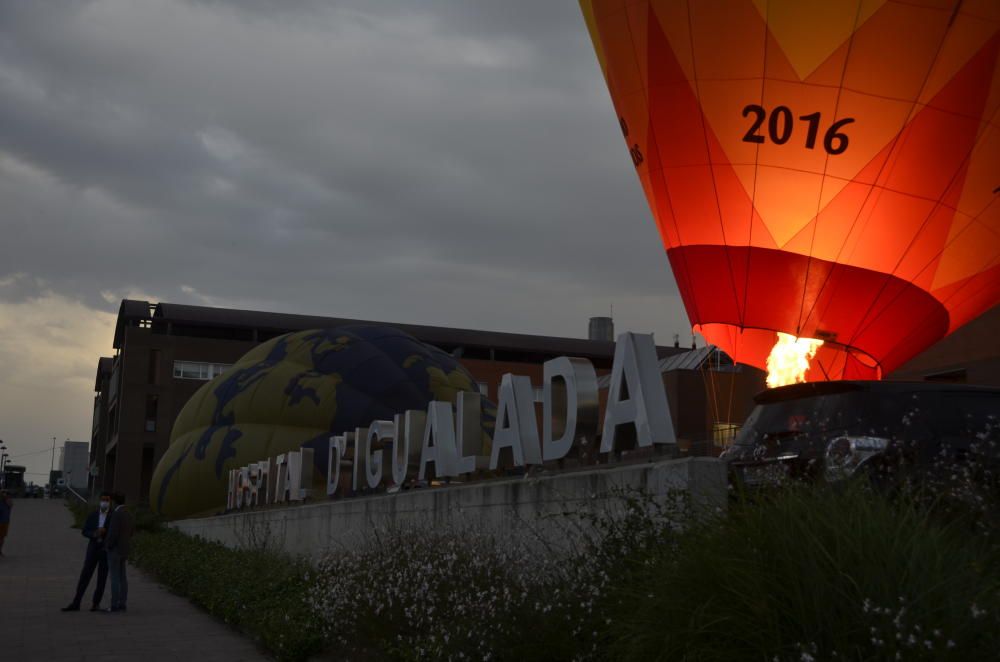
point(814, 574)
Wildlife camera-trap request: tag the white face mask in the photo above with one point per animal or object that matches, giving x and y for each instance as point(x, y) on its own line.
point(104, 506)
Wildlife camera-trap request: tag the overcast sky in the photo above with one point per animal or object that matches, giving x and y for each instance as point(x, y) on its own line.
point(451, 163)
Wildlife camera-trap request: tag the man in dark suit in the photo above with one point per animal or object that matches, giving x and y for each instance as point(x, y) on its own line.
point(94, 530)
point(121, 526)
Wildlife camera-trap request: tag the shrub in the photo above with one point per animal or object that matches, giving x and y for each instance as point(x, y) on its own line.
point(147, 520)
point(426, 595)
point(802, 574)
point(453, 594)
point(964, 481)
point(79, 510)
point(814, 574)
point(257, 591)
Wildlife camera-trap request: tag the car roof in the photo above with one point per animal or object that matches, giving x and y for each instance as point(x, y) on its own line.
point(820, 389)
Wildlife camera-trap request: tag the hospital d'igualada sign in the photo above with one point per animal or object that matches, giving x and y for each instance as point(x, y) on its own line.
point(446, 442)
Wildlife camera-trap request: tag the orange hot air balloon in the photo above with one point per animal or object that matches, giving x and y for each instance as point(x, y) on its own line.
point(829, 169)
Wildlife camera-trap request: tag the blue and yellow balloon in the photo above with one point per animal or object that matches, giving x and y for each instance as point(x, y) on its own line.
point(292, 392)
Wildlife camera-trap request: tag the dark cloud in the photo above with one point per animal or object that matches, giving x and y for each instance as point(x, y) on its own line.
point(437, 162)
point(20, 288)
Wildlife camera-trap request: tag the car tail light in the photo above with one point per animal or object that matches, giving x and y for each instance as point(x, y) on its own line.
point(845, 454)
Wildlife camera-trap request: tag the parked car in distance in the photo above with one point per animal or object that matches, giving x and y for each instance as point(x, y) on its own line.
point(887, 431)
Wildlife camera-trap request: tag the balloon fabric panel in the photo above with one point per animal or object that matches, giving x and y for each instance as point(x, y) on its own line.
point(829, 170)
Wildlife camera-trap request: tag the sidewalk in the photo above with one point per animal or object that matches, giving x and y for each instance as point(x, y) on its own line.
point(38, 576)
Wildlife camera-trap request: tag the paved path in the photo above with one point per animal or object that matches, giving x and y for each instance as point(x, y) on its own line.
point(38, 576)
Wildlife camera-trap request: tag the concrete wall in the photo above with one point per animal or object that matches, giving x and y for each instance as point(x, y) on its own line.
point(541, 507)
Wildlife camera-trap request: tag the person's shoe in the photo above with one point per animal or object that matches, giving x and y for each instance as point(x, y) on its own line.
point(96, 608)
point(112, 610)
point(71, 607)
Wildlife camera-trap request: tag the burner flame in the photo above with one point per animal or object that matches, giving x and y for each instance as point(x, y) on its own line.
point(788, 361)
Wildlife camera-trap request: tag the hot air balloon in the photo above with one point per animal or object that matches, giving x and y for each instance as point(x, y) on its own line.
point(824, 169)
point(293, 392)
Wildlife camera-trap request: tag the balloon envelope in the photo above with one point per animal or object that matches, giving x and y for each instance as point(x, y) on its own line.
point(296, 391)
point(827, 169)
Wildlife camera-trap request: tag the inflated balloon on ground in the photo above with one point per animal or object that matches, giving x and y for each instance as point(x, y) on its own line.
point(296, 391)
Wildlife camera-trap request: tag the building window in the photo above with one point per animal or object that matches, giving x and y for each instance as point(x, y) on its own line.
point(154, 367)
point(197, 370)
point(724, 433)
point(152, 407)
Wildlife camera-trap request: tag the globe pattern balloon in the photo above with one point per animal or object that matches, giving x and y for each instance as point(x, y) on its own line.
point(293, 392)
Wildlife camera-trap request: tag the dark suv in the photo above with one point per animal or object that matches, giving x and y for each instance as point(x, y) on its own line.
point(886, 430)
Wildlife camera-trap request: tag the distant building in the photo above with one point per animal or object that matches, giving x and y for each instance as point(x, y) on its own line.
point(74, 462)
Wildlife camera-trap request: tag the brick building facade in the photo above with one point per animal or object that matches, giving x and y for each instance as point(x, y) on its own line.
point(164, 352)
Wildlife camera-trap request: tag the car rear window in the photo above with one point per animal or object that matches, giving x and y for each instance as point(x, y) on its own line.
point(942, 415)
point(805, 417)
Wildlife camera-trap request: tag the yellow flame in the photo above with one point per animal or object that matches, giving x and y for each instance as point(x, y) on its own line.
point(789, 359)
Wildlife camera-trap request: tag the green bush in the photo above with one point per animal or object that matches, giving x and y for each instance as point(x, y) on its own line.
point(814, 574)
point(258, 592)
point(802, 574)
point(147, 520)
point(468, 594)
point(79, 510)
point(425, 595)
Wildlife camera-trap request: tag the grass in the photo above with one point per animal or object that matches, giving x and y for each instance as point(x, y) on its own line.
point(815, 574)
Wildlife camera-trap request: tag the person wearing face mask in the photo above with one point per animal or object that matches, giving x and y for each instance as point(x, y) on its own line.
point(95, 530)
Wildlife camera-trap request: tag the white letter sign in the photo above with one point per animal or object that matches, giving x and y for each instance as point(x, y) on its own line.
point(636, 397)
